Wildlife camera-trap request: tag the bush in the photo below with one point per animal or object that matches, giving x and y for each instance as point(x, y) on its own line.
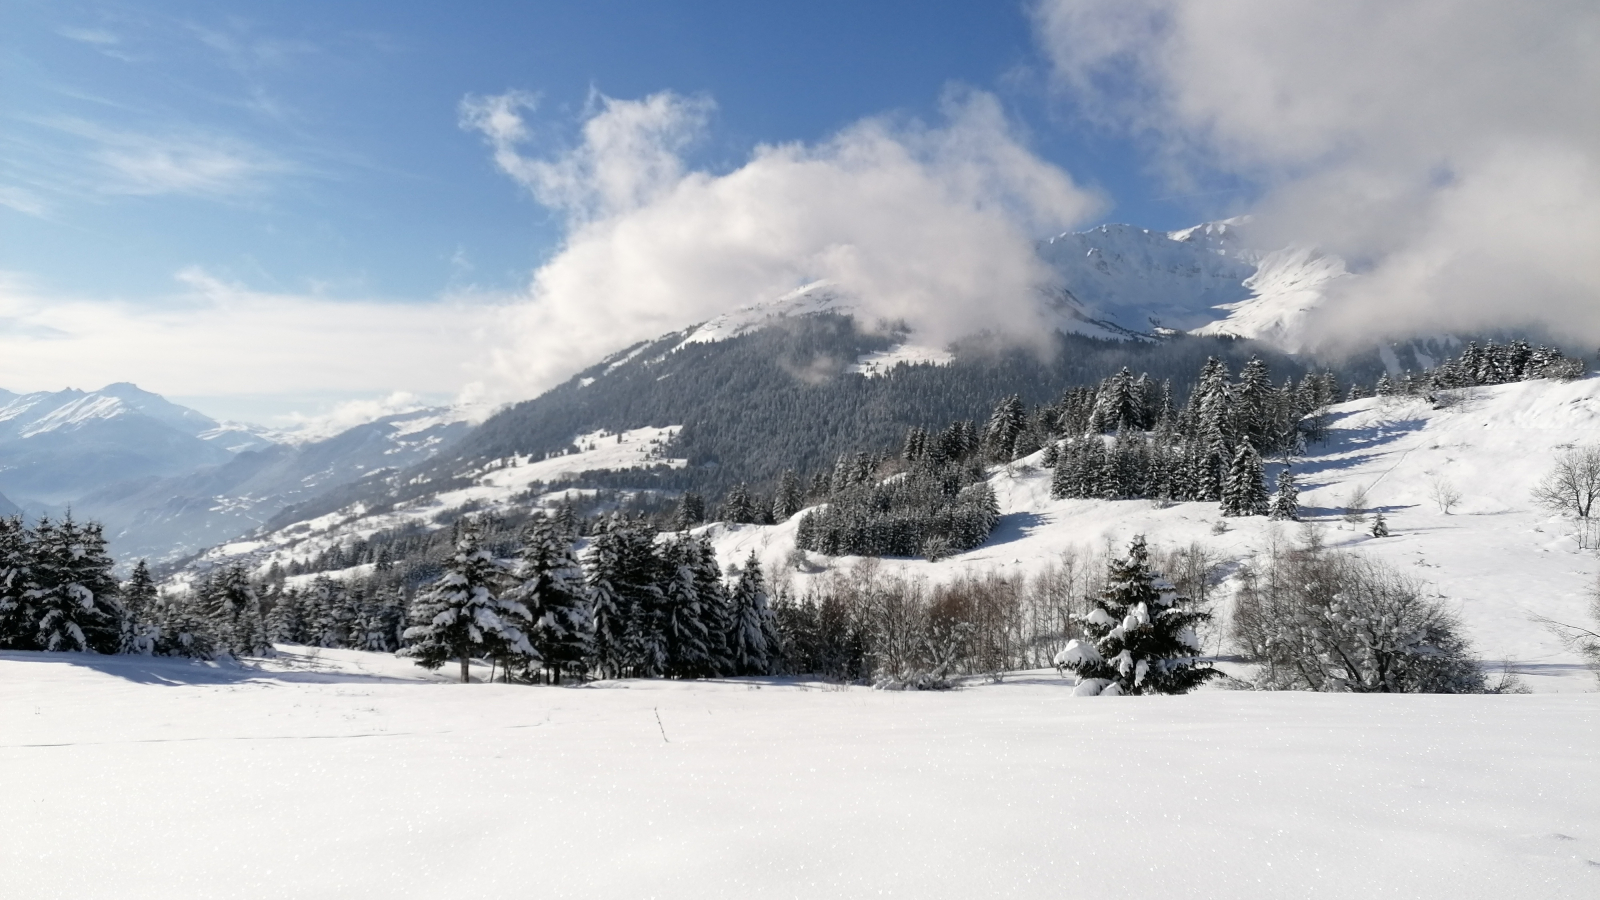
point(1326, 621)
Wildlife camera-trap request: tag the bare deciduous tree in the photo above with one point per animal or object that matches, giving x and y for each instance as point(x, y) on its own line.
point(1355, 506)
point(1573, 483)
point(1443, 494)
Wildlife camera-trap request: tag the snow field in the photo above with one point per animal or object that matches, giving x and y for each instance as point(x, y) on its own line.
point(350, 774)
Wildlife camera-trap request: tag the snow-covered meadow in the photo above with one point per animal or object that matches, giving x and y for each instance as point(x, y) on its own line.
point(337, 773)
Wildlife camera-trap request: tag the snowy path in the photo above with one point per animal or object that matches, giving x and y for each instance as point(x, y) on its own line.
point(360, 778)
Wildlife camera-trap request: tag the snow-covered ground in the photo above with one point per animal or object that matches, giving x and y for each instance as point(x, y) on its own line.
point(877, 364)
point(1496, 556)
point(344, 774)
point(497, 484)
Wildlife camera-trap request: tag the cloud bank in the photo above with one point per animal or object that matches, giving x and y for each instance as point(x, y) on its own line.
point(1449, 148)
point(245, 342)
point(930, 224)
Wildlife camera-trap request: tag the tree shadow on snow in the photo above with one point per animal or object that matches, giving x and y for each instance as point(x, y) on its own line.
point(288, 665)
point(1013, 527)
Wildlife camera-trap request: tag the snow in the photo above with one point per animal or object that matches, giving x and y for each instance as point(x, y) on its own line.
point(816, 297)
point(498, 484)
point(1497, 558)
point(877, 364)
point(338, 773)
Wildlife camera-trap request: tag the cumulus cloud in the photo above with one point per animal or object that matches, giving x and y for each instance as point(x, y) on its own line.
point(929, 224)
point(1449, 148)
point(246, 342)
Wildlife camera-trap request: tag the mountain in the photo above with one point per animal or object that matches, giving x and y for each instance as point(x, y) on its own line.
point(57, 447)
point(165, 517)
point(792, 382)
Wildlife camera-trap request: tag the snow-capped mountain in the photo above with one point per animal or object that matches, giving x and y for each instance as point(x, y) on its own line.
point(55, 447)
point(172, 516)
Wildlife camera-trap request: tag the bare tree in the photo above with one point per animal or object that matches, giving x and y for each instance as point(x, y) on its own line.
point(1443, 494)
point(1355, 506)
point(1581, 640)
point(1573, 484)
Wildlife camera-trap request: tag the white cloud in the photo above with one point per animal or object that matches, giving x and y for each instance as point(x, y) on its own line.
point(933, 225)
point(217, 338)
point(1450, 148)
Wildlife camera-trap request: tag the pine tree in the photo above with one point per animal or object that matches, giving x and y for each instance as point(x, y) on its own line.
point(140, 631)
point(687, 639)
point(1245, 493)
point(18, 618)
point(1051, 455)
point(463, 614)
point(1380, 528)
point(1286, 500)
point(1005, 424)
point(691, 511)
point(71, 589)
point(1140, 635)
point(551, 587)
point(230, 601)
point(752, 640)
point(788, 500)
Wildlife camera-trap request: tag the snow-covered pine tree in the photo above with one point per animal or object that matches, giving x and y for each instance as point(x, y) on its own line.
point(140, 632)
point(752, 639)
point(1286, 500)
point(1380, 527)
point(1005, 424)
point(286, 622)
point(550, 584)
point(463, 614)
point(18, 620)
point(71, 589)
point(1140, 636)
point(691, 511)
point(789, 499)
point(230, 601)
point(1050, 456)
point(684, 622)
point(1245, 493)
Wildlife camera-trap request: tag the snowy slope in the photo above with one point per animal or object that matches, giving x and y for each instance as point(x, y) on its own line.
point(339, 774)
point(1496, 555)
point(198, 509)
point(496, 484)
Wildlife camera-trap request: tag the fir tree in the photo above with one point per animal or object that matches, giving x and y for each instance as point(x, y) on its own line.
point(230, 601)
point(71, 590)
point(550, 585)
point(1005, 424)
point(691, 511)
point(1380, 528)
point(752, 641)
point(140, 631)
point(1140, 635)
point(788, 500)
point(1245, 494)
point(463, 614)
point(1286, 500)
point(17, 613)
point(688, 645)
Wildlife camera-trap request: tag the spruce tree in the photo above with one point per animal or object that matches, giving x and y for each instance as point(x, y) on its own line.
point(71, 590)
point(1286, 500)
point(18, 618)
point(1140, 636)
point(789, 499)
point(752, 639)
point(551, 587)
point(1380, 527)
point(463, 614)
point(140, 631)
point(1245, 493)
point(687, 639)
point(1005, 424)
point(230, 601)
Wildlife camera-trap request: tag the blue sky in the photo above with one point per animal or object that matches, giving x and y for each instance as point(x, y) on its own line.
point(266, 209)
point(316, 146)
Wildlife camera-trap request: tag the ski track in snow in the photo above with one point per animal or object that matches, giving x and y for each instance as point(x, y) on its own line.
point(184, 778)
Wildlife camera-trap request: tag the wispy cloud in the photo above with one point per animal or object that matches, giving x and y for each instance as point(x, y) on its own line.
point(928, 224)
point(99, 37)
point(99, 160)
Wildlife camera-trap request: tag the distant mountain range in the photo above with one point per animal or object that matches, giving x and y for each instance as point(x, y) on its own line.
point(166, 480)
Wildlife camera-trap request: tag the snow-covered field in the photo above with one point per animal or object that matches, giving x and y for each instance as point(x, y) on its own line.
point(344, 774)
point(1495, 555)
